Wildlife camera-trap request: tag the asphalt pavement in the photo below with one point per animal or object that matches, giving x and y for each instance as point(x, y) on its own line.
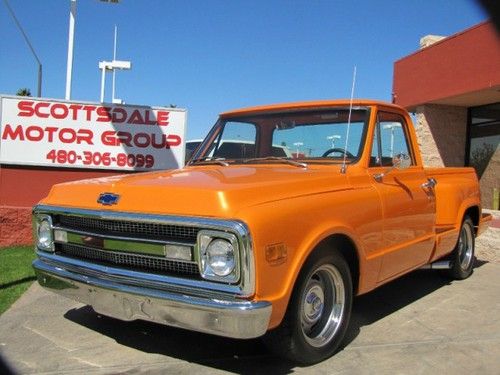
point(422, 323)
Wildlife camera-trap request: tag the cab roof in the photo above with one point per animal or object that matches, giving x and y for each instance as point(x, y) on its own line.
point(297, 106)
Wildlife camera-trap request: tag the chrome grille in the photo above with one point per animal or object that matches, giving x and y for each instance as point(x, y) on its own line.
point(133, 261)
point(137, 230)
point(134, 229)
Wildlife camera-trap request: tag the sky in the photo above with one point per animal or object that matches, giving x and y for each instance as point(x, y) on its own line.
point(212, 56)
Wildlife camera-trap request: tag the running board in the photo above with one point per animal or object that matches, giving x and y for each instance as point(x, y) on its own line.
point(440, 265)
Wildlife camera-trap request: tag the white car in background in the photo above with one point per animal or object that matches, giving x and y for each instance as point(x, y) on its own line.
point(235, 149)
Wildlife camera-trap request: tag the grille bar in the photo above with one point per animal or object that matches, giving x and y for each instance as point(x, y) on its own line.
point(133, 261)
point(140, 230)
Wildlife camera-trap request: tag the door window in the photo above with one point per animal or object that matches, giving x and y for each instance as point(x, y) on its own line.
point(389, 140)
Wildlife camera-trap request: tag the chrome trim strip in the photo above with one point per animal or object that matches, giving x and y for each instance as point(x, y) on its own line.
point(134, 216)
point(126, 247)
point(121, 253)
point(146, 279)
point(229, 318)
point(246, 285)
point(122, 238)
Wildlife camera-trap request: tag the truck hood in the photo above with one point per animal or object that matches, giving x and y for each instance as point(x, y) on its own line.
point(210, 191)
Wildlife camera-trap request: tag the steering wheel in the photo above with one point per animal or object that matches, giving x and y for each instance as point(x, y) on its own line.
point(339, 150)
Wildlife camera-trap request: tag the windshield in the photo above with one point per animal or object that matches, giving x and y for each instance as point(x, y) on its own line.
point(311, 136)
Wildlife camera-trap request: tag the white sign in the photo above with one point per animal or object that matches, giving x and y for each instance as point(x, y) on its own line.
point(46, 132)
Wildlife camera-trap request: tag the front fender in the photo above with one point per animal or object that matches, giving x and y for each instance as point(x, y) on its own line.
point(298, 226)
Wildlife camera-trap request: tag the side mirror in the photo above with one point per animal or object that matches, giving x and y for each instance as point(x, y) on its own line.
point(401, 161)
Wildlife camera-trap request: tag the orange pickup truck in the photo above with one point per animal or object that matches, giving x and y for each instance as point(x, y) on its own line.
point(244, 243)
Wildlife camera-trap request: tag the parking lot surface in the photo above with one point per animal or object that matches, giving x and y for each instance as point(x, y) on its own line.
point(421, 323)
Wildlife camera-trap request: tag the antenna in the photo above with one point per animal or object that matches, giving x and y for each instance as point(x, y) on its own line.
point(114, 71)
point(344, 166)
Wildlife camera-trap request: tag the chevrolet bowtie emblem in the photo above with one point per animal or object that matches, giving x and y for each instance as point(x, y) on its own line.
point(108, 199)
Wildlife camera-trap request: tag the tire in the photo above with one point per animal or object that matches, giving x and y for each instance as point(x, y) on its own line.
point(318, 312)
point(462, 257)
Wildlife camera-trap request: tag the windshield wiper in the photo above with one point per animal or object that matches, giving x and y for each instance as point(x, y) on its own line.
point(209, 160)
point(277, 158)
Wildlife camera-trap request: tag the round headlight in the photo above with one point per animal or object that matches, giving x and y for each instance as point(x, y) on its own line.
point(44, 235)
point(220, 255)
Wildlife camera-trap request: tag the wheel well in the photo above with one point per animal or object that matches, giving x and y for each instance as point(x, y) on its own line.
point(345, 246)
point(473, 213)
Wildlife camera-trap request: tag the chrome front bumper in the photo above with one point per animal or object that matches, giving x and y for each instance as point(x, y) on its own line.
point(115, 297)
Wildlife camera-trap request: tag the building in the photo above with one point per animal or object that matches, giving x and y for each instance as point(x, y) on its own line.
point(452, 84)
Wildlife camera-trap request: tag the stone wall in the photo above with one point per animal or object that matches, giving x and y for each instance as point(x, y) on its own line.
point(15, 226)
point(441, 133)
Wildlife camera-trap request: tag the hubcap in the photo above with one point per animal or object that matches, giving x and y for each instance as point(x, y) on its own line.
point(465, 247)
point(322, 309)
point(313, 304)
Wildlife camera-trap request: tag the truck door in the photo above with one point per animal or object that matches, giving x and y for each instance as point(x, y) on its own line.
point(408, 206)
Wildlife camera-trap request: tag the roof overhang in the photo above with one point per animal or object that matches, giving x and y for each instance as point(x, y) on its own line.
point(461, 70)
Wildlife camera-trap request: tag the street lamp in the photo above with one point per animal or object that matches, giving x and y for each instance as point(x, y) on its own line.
point(111, 66)
point(392, 126)
point(71, 39)
point(298, 144)
point(333, 138)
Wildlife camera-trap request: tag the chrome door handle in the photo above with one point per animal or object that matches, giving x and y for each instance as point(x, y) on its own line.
point(430, 184)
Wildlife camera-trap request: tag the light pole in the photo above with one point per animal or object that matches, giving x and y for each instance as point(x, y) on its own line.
point(114, 71)
point(124, 65)
point(392, 127)
point(333, 138)
point(39, 86)
point(71, 39)
point(298, 144)
point(111, 66)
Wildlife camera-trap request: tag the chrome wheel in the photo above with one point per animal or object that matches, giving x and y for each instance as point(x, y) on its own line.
point(462, 256)
point(322, 305)
point(465, 247)
point(318, 312)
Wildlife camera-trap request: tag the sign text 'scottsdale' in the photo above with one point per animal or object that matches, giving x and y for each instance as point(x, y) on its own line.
point(106, 128)
point(117, 115)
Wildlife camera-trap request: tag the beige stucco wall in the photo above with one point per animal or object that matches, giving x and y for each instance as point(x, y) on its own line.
point(441, 132)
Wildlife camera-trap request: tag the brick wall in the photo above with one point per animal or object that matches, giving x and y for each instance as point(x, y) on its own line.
point(15, 226)
point(21, 187)
point(441, 132)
